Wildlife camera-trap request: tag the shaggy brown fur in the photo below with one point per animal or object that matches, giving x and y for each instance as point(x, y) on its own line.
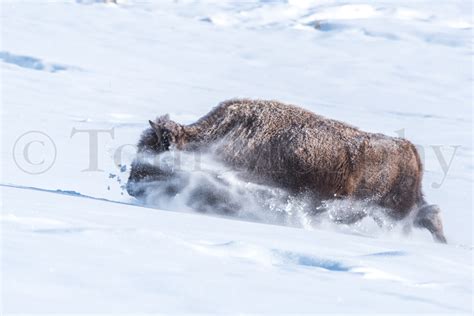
point(297, 150)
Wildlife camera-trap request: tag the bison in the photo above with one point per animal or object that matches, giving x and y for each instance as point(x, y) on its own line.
point(299, 151)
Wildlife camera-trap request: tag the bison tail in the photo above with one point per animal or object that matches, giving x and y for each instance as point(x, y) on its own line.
point(419, 199)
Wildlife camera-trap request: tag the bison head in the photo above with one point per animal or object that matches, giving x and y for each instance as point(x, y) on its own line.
point(158, 139)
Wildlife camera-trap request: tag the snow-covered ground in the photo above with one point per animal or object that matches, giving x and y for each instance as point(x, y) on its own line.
point(74, 241)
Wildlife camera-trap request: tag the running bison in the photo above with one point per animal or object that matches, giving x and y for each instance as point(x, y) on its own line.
point(296, 150)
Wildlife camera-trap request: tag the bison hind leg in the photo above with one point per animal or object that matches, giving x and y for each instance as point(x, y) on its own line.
point(428, 217)
point(343, 211)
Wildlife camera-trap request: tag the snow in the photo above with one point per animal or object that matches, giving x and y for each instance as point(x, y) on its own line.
point(73, 241)
point(96, 256)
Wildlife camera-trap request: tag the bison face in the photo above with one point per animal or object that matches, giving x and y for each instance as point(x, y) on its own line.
point(158, 139)
point(164, 133)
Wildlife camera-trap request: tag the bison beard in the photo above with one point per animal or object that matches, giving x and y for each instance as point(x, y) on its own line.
point(289, 148)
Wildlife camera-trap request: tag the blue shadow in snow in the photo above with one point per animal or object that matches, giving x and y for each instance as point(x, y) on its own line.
point(310, 261)
point(71, 230)
point(387, 254)
point(30, 62)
